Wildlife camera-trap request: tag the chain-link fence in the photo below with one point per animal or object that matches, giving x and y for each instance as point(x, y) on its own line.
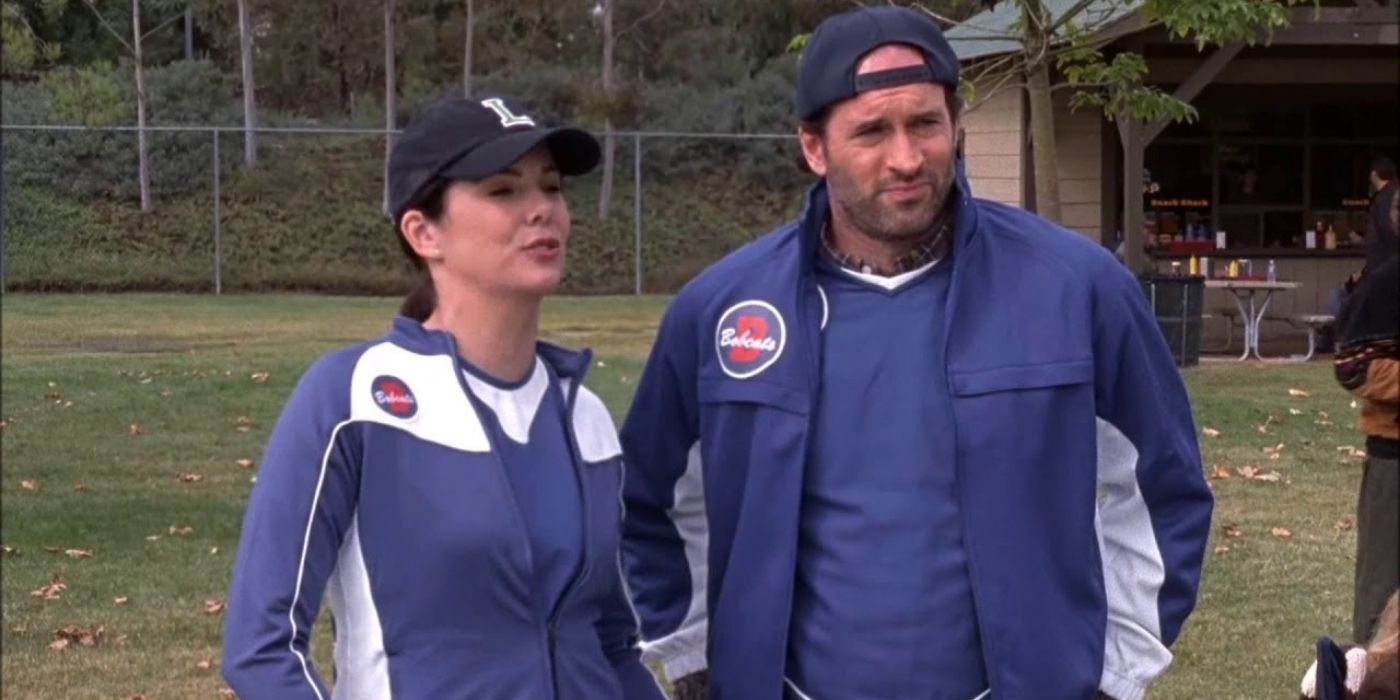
point(308, 215)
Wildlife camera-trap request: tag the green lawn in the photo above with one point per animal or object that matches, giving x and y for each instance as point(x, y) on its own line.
point(80, 371)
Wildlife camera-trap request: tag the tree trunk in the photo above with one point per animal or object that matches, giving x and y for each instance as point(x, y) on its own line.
point(250, 103)
point(1130, 133)
point(142, 151)
point(189, 32)
point(1035, 22)
point(390, 97)
point(1047, 180)
point(609, 142)
point(467, 51)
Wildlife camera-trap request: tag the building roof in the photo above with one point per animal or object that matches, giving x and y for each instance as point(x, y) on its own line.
point(983, 34)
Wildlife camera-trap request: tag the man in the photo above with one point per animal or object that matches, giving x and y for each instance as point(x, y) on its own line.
point(1368, 365)
point(1381, 239)
point(912, 444)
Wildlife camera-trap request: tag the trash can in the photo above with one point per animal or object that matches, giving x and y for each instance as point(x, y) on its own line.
point(1176, 303)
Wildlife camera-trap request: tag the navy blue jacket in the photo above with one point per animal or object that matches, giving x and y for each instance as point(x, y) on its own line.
point(1079, 477)
point(380, 490)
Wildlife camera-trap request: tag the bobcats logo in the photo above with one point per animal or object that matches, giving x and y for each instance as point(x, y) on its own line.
point(750, 338)
point(394, 396)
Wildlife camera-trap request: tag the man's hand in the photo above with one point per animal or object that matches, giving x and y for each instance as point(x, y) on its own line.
point(695, 686)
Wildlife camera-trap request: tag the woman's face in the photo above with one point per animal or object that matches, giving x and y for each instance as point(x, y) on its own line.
point(506, 234)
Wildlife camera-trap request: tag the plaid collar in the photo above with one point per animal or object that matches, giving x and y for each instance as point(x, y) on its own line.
point(929, 251)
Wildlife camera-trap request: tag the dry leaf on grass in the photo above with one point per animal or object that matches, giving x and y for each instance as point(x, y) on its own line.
point(8, 550)
point(29, 485)
point(1294, 412)
point(147, 380)
point(181, 531)
point(213, 550)
point(152, 538)
point(1298, 392)
point(1233, 531)
point(1281, 532)
point(260, 377)
point(79, 553)
point(213, 606)
point(122, 600)
point(204, 664)
point(244, 463)
point(53, 591)
point(1268, 423)
point(135, 429)
point(58, 644)
point(1269, 476)
point(1220, 471)
point(1247, 472)
point(228, 694)
point(189, 478)
point(1210, 432)
point(1346, 524)
point(84, 636)
point(1352, 451)
point(80, 487)
point(1222, 549)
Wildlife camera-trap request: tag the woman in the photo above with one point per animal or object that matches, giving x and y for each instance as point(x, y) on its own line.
point(450, 488)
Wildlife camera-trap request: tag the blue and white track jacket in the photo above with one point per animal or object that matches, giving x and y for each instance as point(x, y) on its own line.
point(1078, 475)
point(380, 491)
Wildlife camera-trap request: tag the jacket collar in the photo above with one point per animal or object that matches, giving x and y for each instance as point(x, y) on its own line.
point(411, 335)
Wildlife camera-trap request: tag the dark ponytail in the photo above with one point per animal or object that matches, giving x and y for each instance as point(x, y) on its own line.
point(422, 301)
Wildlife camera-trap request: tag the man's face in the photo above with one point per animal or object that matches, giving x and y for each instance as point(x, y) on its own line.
point(887, 155)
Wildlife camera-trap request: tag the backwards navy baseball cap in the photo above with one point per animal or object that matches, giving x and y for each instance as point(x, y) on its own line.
point(460, 138)
point(827, 72)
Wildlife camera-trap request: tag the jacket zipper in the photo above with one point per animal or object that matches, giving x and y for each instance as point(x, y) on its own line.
point(552, 624)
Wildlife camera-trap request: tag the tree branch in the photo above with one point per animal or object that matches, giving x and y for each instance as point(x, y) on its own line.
point(1070, 14)
point(162, 25)
point(659, 7)
point(990, 33)
point(108, 25)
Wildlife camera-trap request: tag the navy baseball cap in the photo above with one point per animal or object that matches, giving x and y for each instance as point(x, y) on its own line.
point(827, 72)
point(461, 138)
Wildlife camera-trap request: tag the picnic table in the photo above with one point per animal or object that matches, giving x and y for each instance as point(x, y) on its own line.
point(1251, 314)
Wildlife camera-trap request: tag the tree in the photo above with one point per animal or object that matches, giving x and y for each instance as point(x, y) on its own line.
point(1073, 41)
point(390, 93)
point(250, 102)
point(467, 51)
point(604, 12)
point(21, 49)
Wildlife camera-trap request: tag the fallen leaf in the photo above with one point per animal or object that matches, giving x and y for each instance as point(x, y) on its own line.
point(1268, 476)
point(1353, 404)
point(260, 377)
point(1352, 451)
point(1268, 423)
point(213, 606)
point(137, 697)
point(1294, 412)
point(122, 600)
point(58, 644)
point(213, 550)
point(1322, 414)
point(166, 393)
point(147, 380)
point(152, 538)
point(189, 478)
point(1247, 472)
point(29, 485)
point(244, 463)
point(1210, 432)
point(84, 636)
point(136, 429)
point(1298, 392)
point(1233, 531)
point(1222, 549)
point(67, 404)
point(204, 664)
point(228, 694)
point(8, 550)
point(53, 591)
point(1281, 532)
point(80, 487)
point(1220, 471)
point(51, 550)
point(53, 384)
point(1346, 524)
point(79, 553)
point(181, 531)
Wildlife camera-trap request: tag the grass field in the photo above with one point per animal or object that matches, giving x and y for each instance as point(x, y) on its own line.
point(113, 405)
